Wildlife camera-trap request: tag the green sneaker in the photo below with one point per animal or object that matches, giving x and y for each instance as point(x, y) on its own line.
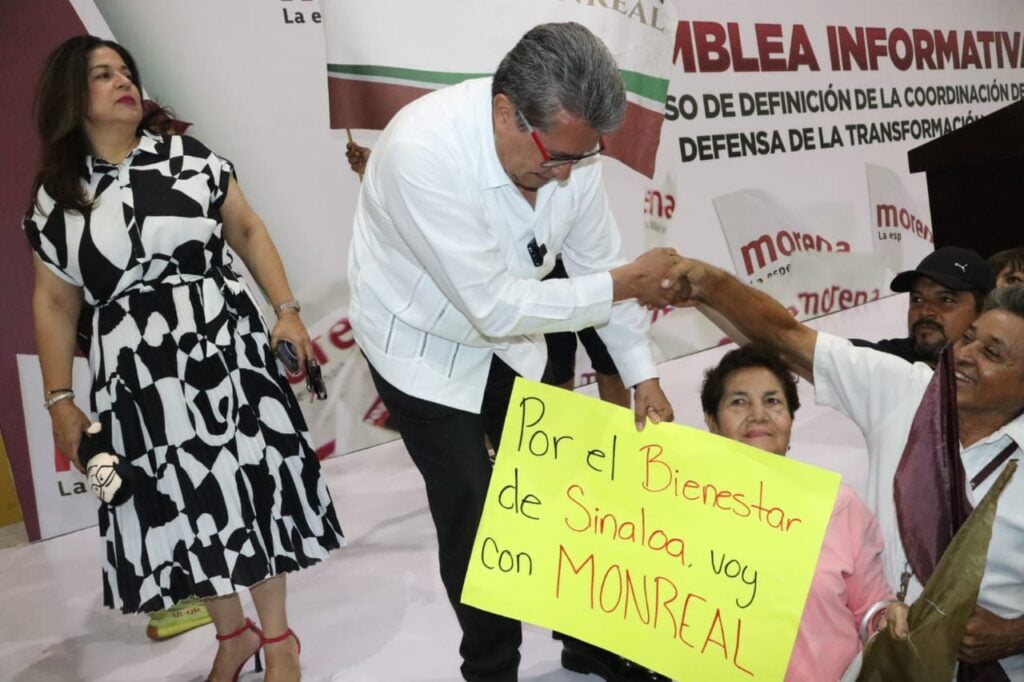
point(186, 615)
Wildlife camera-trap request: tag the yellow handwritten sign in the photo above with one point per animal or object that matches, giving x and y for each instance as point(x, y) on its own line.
point(687, 552)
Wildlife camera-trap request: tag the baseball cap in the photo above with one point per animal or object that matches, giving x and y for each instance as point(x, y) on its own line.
point(952, 267)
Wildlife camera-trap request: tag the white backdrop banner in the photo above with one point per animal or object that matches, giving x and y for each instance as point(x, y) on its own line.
point(787, 131)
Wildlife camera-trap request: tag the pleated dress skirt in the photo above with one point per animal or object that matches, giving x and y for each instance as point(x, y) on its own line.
point(228, 490)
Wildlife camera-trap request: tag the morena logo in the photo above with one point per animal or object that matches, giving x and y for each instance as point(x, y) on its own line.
point(768, 248)
point(890, 215)
point(659, 204)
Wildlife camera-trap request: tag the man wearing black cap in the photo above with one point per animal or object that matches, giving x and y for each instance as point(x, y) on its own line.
point(946, 292)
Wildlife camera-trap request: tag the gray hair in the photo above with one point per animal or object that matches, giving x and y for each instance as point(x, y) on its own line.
point(1009, 299)
point(556, 67)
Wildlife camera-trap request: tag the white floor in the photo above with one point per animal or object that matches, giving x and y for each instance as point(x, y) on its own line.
point(376, 610)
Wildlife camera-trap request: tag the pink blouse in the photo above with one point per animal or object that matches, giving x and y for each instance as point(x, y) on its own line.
point(847, 582)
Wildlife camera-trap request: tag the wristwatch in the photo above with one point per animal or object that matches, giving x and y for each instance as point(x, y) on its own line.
point(287, 305)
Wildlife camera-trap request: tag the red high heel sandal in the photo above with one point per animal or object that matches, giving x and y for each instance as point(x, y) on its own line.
point(249, 625)
point(280, 638)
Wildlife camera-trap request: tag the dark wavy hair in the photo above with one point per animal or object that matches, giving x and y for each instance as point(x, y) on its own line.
point(61, 104)
point(1010, 257)
point(754, 355)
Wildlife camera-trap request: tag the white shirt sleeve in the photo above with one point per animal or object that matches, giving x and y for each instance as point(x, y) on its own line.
point(866, 385)
point(449, 238)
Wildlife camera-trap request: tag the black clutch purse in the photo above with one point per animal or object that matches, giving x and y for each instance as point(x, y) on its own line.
point(108, 474)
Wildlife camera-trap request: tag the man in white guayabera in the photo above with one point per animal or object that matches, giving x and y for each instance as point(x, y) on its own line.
point(467, 198)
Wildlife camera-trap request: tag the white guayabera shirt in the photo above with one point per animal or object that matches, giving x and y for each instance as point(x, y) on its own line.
point(440, 274)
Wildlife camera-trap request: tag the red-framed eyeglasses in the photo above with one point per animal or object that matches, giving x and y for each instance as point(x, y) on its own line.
point(559, 160)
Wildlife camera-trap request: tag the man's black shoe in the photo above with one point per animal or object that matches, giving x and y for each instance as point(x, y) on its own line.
point(643, 673)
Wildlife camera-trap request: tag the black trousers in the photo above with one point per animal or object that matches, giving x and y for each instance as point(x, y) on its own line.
point(447, 446)
point(562, 346)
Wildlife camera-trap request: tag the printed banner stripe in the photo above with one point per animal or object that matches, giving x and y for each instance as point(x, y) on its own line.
point(644, 103)
point(388, 81)
point(640, 84)
point(398, 73)
point(366, 104)
point(636, 142)
point(648, 87)
point(370, 105)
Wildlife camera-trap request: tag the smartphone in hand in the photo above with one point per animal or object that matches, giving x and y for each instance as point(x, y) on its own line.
point(286, 354)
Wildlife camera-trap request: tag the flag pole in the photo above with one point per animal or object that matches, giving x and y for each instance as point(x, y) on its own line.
point(348, 131)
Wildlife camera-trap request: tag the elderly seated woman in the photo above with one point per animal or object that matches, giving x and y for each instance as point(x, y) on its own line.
point(751, 397)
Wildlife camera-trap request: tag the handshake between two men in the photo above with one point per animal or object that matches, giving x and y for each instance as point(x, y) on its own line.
point(661, 277)
point(657, 278)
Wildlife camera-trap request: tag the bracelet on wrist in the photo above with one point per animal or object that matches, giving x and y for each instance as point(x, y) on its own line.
point(57, 390)
point(868, 624)
point(57, 396)
point(286, 306)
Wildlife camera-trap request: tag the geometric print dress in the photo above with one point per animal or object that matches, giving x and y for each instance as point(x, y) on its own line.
point(228, 490)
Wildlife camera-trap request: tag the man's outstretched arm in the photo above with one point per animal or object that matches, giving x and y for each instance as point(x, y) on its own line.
point(756, 316)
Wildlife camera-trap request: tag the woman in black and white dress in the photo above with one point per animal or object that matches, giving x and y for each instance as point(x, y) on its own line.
point(227, 489)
